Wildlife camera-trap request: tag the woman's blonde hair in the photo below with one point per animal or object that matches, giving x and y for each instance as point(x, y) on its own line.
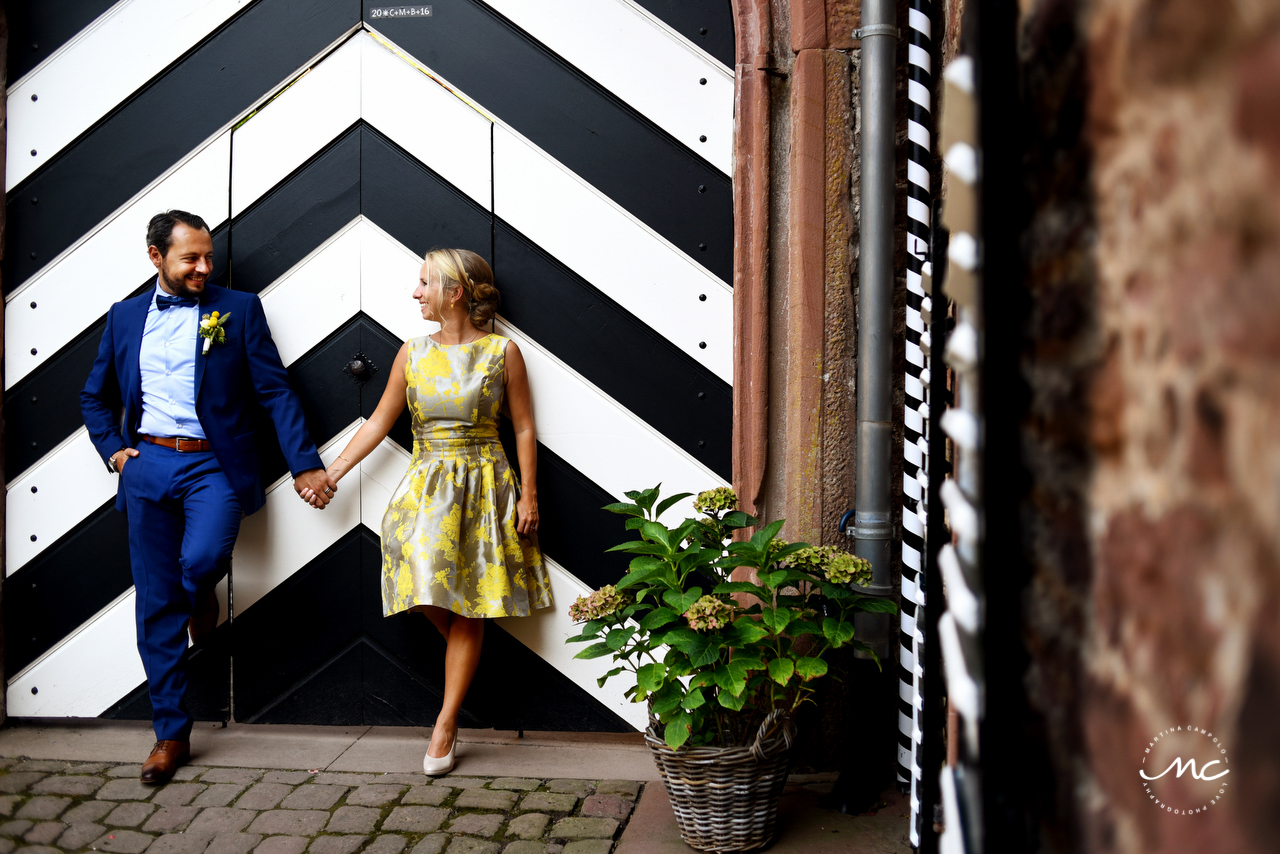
point(473, 274)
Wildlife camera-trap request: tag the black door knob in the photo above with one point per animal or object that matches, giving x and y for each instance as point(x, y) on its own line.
point(356, 367)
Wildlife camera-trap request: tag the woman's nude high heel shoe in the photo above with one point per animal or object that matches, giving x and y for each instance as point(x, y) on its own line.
point(435, 767)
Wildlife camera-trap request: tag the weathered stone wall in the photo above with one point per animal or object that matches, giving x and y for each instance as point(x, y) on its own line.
point(1153, 441)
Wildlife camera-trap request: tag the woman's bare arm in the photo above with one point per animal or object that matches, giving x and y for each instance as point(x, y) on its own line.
point(520, 405)
point(373, 431)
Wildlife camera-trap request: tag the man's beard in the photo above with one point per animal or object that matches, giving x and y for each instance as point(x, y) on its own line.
point(179, 287)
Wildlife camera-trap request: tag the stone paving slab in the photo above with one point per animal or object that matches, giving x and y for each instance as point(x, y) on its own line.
point(57, 807)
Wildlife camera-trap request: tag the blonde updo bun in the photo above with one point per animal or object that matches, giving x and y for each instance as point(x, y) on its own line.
point(464, 268)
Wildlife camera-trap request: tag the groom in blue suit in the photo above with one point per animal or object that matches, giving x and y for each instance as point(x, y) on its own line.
point(187, 363)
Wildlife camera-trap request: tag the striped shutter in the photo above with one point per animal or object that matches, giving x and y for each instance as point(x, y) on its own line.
point(582, 146)
point(915, 446)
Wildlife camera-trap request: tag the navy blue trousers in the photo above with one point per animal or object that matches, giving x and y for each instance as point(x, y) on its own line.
point(183, 522)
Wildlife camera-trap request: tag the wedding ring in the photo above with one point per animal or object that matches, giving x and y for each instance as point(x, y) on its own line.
point(328, 490)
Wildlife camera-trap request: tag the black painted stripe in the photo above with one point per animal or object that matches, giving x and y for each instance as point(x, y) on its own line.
point(919, 115)
point(578, 122)
point(371, 670)
point(611, 348)
point(65, 585)
point(305, 209)
point(918, 153)
point(38, 29)
point(107, 166)
point(208, 695)
point(43, 408)
point(415, 205)
point(917, 192)
point(706, 23)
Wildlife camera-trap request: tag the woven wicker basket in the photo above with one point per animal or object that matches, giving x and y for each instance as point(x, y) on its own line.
point(726, 798)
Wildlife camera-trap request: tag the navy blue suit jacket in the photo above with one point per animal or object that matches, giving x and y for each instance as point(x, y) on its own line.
point(245, 369)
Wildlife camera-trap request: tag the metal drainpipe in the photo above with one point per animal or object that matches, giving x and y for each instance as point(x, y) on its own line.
point(873, 519)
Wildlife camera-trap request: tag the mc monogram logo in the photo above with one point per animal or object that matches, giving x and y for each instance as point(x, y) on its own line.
point(1198, 780)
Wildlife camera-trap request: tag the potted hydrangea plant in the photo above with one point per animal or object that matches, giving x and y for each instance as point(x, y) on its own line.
point(722, 663)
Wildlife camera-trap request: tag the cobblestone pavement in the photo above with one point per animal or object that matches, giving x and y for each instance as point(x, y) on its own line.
point(48, 806)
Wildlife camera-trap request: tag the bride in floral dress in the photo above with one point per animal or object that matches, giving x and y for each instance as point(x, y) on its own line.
point(459, 538)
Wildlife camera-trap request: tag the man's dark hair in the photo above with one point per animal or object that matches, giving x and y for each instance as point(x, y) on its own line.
point(160, 229)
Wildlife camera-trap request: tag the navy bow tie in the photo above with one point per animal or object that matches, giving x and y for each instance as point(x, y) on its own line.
point(164, 301)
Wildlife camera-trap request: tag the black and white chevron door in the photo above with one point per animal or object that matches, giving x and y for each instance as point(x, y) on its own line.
point(582, 146)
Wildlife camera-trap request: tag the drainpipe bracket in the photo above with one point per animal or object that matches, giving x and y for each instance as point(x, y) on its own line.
point(877, 30)
point(881, 591)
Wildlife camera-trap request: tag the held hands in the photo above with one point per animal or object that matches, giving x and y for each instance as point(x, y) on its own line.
point(316, 487)
point(122, 456)
point(527, 515)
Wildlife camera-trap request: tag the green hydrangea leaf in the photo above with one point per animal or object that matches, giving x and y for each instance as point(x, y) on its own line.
point(811, 668)
point(678, 730)
point(681, 602)
point(780, 670)
point(650, 676)
point(837, 631)
point(657, 618)
point(605, 678)
point(597, 650)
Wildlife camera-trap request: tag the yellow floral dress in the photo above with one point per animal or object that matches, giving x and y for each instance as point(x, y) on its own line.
point(449, 534)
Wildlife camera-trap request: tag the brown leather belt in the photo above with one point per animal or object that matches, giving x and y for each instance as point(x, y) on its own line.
point(178, 444)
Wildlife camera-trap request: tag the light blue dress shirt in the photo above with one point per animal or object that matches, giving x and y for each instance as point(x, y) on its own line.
point(167, 363)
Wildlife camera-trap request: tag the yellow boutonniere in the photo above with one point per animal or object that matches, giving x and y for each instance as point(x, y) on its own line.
point(211, 329)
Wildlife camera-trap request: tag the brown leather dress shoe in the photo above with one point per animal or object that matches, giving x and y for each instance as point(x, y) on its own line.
point(164, 760)
point(205, 619)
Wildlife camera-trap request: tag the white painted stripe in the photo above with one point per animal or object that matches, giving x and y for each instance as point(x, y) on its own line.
point(388, 277)
point(87, 672)
point(914, 354)
point(918, 174)
point(90, 670)
point(646, 64)
point(404, 101)
point(911, 522)
point(110, 264)
point(288, 533)
point(614, 251)
point(915, 389)
point(918, 210)
point(920, 22)
point(920, 58)
point(317, 296)
point(910, 591)
point(909, 450)
point(918, 134)
point(103, 65)
point(918, 94)
point(285, 133)
point(70, 482)
point(602, 439)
